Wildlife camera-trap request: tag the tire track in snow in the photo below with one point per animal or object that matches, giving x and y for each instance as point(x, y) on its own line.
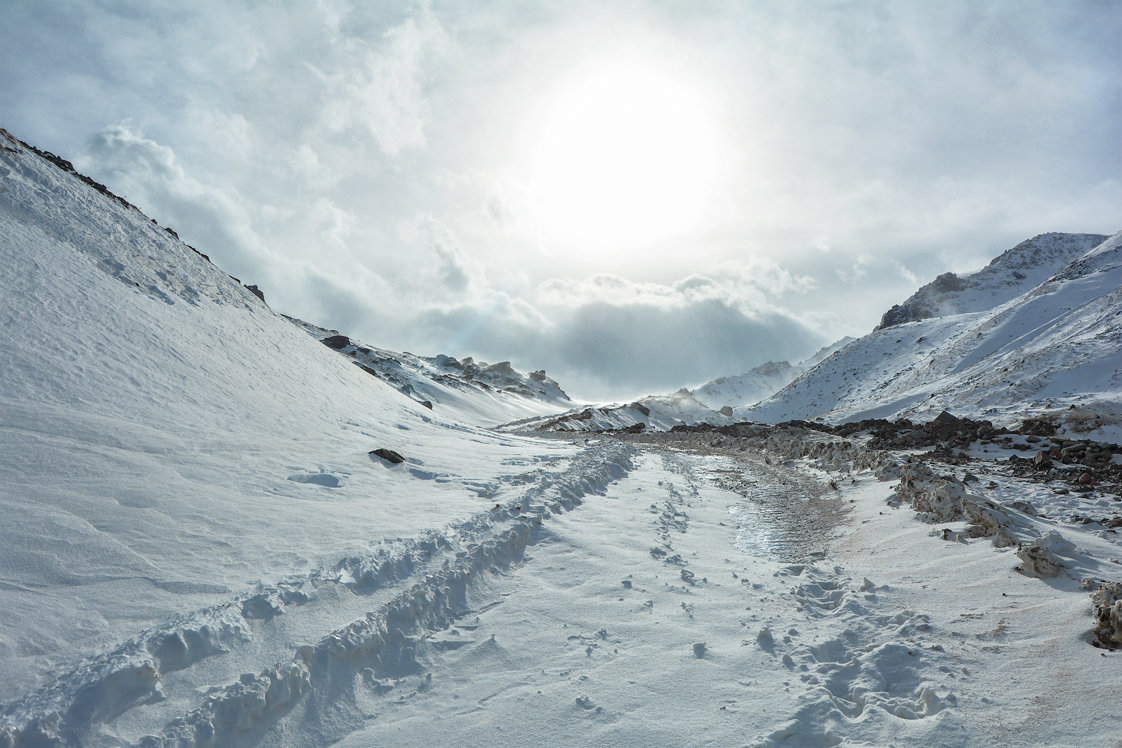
point(77, 708)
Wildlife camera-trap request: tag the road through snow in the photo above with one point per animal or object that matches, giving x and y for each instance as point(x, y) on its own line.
point(638, 595)
point(647, 618)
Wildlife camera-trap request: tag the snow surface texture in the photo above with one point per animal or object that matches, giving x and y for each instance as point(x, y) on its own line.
point(208, 540)
point(168, 440)
point(1051, 351)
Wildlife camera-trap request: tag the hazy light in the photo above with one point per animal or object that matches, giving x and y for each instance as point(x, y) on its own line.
point(624, 154)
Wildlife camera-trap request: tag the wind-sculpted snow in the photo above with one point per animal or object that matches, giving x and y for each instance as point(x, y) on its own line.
point(438, 568)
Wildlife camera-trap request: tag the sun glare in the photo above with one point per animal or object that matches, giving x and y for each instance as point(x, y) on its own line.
point(625, 155)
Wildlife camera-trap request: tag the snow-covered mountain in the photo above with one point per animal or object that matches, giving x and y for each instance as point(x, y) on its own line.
point(760, 383)
point(1008, 275)
point(476, 392)
point(1052, 350)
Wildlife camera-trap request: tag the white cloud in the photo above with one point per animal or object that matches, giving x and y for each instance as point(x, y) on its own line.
point(857, 272)
point(358, 160)
point(382, 90)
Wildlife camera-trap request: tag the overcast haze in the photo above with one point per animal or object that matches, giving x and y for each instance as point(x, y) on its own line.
point(635, 198)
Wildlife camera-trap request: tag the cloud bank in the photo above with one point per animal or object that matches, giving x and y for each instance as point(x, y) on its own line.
point(366, 163)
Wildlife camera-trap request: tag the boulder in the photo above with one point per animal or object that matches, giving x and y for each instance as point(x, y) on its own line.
point(388, 455)
point(338, 342)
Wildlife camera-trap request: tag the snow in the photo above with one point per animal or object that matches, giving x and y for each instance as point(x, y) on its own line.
point(200, 548)
point(1007, 276)
point(1052, 351)
point(760, 383)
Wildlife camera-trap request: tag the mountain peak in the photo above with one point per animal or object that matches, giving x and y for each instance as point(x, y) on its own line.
point(1007, 276)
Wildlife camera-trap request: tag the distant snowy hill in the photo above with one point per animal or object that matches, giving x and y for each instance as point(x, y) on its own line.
point(1051, 350)
point(479, 393)
point(655, 412)
point(711, 403)
point(759, 383)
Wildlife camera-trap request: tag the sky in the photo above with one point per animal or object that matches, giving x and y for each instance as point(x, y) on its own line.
point(634, 196)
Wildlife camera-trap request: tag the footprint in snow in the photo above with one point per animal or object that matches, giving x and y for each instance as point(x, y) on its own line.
point(326, 480)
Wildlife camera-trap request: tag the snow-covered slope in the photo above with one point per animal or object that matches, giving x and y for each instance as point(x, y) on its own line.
point(167, 441)
point(655, 412)
point(759, 383)
point(1053, 350)
point(1008, 275)
point(475, 392)
point(749, 387)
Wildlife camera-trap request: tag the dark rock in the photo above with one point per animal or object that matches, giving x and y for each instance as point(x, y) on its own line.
point(388, 455)
point(946, 419)
point(1042, 461)
point(1038, 427)
point(256, 292)
point(336, 341)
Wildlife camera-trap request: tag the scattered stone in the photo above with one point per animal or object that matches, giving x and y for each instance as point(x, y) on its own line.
point(699, 650)
point(388, 455)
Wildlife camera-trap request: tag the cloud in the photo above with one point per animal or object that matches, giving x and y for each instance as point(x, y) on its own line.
point(857, 272)
point(361, 161)
point(150, 175)
point(443, 259)
point(610, 337)
point(383, 89)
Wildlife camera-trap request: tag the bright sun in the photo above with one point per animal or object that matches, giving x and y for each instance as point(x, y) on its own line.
point(626, 155)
